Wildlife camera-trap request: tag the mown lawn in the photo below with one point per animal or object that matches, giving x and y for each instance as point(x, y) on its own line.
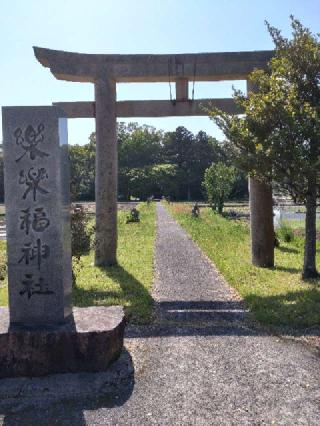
point(3, 276)
point(277, 296)
point(128, 283)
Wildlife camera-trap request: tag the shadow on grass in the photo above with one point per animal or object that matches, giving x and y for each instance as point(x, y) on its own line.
point(297, 310)
point(286, 269)
point(288, 249)
point(136, 298)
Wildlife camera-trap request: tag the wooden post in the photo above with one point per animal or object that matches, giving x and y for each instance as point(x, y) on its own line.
point(106, 173)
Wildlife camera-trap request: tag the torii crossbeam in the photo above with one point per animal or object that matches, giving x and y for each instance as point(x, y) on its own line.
point(104, 71)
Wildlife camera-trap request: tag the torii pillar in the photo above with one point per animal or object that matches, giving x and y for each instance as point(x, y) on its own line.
point(106, 172)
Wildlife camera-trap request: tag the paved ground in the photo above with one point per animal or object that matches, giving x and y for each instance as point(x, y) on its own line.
point(199, 364)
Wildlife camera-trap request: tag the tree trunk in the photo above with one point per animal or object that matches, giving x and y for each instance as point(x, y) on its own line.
point(261, 221)
point(221, 204)
point(309, 266)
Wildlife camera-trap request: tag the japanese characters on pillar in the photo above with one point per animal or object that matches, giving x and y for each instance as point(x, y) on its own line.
point(37, 214)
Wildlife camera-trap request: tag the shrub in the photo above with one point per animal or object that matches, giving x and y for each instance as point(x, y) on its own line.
point(285, 233)
point(80, 234)
point(218, 182)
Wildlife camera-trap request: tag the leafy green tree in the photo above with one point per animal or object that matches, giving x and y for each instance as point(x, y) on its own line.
point(157, 180)
point(278, 139)
point(82, 162)
point(138, 146)
point(206, 151)
point(165, 180)
point(178, 149)
point(218, 182)
point(192, 155)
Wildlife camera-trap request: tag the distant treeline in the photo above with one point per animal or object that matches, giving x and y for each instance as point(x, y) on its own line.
point(151, 162)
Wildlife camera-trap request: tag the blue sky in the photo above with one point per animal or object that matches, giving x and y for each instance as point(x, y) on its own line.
point(132, 26)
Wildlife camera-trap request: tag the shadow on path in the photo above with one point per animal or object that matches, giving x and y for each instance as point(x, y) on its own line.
point(201, 311)
point(62, 399)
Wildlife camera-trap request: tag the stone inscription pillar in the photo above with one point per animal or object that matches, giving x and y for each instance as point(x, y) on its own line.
point(106, 172)
point(38, 215)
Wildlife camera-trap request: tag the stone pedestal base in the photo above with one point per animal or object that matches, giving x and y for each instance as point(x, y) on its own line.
point(89, 341)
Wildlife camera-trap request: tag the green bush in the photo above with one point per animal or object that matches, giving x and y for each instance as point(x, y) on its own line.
point(218, 182)
point(80, 234)
point(285, 233)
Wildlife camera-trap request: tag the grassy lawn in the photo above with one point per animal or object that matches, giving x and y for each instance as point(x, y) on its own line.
point(278, 296)
point(129, 283)
point(3, 282)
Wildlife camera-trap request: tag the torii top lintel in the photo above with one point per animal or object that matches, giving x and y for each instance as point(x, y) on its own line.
point(84, 67)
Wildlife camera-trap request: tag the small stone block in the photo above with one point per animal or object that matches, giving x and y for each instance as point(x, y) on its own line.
point(89, 341)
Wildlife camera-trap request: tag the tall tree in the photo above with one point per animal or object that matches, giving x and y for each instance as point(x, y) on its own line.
point(178, 149)
point(138, 146)
point(82, 160)
point(278, 139)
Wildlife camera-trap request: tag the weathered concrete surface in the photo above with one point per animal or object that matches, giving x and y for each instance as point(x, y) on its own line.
point(83, 67)
point(36, 165)
point(182, 89)
point(155, 108)
point(106, 173)
point(26, 401)
point(89, 341)
point(204, 371)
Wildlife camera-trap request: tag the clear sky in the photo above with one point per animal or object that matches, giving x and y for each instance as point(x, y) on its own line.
point(132, 26)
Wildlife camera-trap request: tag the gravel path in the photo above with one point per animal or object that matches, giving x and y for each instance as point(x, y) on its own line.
point(199, 364)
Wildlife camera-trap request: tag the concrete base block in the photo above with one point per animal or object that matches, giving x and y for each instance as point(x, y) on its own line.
point(90, 340)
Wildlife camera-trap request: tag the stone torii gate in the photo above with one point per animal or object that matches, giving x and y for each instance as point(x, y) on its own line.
point(104, 71)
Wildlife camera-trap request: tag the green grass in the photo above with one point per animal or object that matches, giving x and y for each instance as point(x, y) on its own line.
point(299, 224)
point(128, 283)
point(277, 296)
point(3, 283)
